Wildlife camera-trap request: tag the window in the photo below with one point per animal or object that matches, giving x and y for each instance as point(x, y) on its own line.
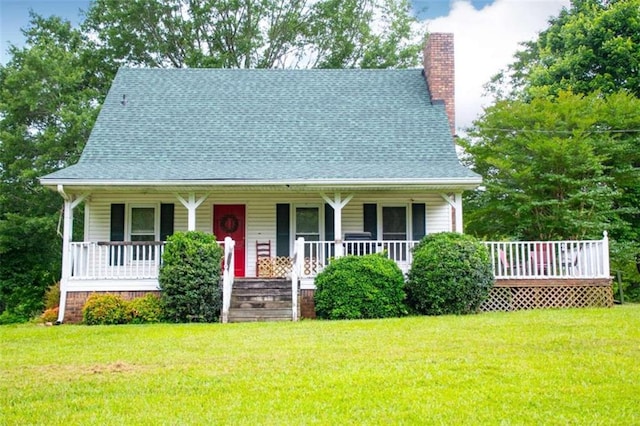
point(394, 223)
point(394, 228)
point(143, 227)
point(308, 223)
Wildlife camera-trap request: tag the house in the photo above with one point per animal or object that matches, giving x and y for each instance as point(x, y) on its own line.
point(265, 157)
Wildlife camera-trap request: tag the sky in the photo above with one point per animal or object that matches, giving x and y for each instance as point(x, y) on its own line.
point(487, 35)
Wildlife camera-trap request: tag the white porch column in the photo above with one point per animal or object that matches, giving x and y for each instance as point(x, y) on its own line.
point(337, 203)
point(455, 201)
point(70, 203)
point(191, 207)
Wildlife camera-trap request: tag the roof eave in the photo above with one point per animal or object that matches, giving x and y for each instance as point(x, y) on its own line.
point(461, 183)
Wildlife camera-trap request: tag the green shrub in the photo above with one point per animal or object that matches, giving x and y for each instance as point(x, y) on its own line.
point(49, 315)
point(450, 274)
point(100, 309)
point(52, 296)
point(143, 310)
point(190, 278)
point(354, 287)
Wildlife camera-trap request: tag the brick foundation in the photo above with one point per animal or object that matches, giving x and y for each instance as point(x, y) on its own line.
point(307, 306)
point(77, 299)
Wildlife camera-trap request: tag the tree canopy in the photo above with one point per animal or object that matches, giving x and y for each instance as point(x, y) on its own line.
point(561, 168)
point(256, 34)
point(592, 46)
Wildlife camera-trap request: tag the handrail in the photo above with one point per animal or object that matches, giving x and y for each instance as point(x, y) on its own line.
point(296, 272)
point(227, 277)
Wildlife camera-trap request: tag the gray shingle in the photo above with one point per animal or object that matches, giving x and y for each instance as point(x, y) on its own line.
point(283, 125)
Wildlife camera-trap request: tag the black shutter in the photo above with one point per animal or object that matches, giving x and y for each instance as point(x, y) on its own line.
point(370, 216)
point(117, 234)
point(418, 220)
point(282, 230)
point(166, 220)
point(117, 222)
point(329, 228)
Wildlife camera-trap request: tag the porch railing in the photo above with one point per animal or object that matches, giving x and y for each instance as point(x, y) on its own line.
point(116, 259)
point(318, 254)
point(509, 260)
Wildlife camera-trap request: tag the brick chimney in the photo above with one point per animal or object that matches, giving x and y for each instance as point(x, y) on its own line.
point(439, 71)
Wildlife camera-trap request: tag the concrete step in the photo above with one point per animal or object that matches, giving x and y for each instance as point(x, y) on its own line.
point(247, 294)
point(260, 299)
point(260, 304)
point(259, 283)
point(265, 314)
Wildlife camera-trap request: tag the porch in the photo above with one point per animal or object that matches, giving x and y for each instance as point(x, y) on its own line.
point(529, 274)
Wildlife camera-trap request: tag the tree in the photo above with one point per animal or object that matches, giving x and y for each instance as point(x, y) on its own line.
point(592, 46)
point(49, 92)
point(558, 168)
point(256, 34)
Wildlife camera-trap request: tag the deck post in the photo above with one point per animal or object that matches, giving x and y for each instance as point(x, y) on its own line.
point(605, 254)
point(337, 203)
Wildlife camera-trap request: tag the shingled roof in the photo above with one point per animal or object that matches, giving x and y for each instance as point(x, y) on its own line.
point(160, 126)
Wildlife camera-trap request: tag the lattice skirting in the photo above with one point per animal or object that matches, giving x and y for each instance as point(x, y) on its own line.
point(280, 267)
point(517, 298)
point(274, 267)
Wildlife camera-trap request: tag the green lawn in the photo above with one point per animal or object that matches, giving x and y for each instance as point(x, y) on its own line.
point(536, 367)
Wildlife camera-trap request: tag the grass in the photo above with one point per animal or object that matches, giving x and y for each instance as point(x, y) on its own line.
point(533, 367)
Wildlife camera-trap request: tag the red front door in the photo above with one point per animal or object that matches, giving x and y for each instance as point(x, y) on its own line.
point(229, 221)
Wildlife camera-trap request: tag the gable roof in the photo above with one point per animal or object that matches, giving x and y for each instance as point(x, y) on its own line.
point(218, 126)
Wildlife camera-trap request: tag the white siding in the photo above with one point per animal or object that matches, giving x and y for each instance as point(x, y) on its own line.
point(261, 212)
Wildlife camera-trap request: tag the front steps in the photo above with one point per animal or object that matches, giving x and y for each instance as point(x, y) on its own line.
point(260, 299)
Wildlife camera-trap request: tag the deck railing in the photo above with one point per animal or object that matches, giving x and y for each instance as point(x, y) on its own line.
point(550, 259)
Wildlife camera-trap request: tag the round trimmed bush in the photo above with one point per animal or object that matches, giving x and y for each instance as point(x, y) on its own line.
point(190, 278)
point(450, 274)
point(354, 287)
point(103, 309)
point(143, 310)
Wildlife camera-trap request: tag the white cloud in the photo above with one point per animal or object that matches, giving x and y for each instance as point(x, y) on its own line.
point(485, 42)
